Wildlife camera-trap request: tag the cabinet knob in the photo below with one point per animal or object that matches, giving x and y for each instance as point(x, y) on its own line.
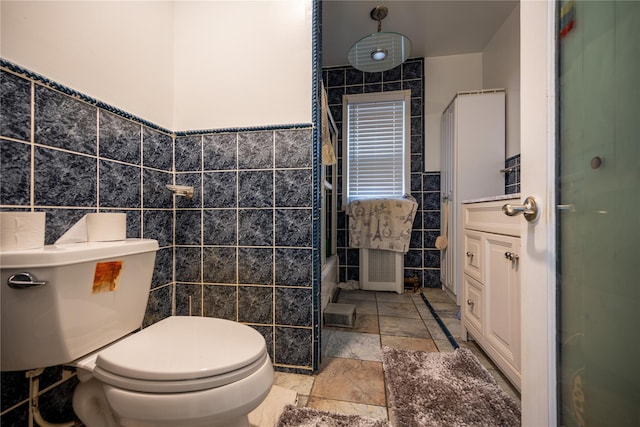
point(470, 302)
point(469, 254)
point(511, 256)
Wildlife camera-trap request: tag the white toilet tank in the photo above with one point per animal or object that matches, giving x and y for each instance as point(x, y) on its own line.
point(75, 299)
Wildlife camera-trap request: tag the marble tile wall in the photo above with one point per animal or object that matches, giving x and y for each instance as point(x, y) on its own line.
point(66, 157)
point(243, 245)
point(422, 260)
point(512, 178)
point(247, 235)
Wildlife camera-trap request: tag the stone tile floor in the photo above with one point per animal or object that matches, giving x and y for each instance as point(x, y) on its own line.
point(350, 379)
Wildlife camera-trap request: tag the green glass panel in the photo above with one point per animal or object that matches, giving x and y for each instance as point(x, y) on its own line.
point(599, 213)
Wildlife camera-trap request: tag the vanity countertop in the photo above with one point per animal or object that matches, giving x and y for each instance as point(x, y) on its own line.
point(493, 198)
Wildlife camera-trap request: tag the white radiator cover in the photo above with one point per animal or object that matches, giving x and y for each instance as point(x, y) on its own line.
point(381, 270)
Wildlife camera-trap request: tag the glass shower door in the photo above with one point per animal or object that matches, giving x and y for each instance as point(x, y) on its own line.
point(598, 212)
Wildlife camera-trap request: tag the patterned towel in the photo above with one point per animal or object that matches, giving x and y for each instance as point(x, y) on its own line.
point(382, 223)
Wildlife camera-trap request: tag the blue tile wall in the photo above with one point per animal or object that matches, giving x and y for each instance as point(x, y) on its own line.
point(15, 188)
point(292, 346)
point(220, 264)
point(159, 305)
point(225, 222)
point(293, 187)
point(19, 390)
point(255, 266)
point(220, 301)
point(64, 122)
point(154, 191)
point(512, 176)
point(248, 184)
point(188, 264)
point(15, 98)
point(127, 179)
point(55, 407)
point(255, 304)
point(293, 267)
point(193, 179)
point(120, 139)
point(293, 227)
point(158, 225)
point(254, 227)
point(18, 416)
point(64, 178)
point(288, 303)
point(188, 227)
point(293, 148)
point(75, 159)
point(163, 271)
point(255, 150)
point(220, 151)
point(219, 189)
point(240, 249)
point(422, 260)
point(157, 149)
point(188, 153)
point(255, 234)
point(188, 300)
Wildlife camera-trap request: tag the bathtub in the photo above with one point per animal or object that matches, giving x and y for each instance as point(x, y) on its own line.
point(329, 281)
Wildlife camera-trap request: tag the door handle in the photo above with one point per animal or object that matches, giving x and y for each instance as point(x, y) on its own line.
point(529, 209)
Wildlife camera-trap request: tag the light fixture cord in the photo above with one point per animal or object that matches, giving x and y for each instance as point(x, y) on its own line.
point(379, 24)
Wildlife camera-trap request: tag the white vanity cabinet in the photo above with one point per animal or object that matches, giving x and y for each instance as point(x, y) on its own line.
point(491, 282)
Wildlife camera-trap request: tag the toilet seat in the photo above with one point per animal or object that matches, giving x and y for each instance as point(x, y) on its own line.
point(177, 386)
point(182, 354)
point(227, 405)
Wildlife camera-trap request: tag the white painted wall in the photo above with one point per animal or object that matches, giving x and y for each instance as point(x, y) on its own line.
point(497, 66)
point(183, 65)
point(501, 68)
point(117, 52)
point(444, 77)
point(244, 63)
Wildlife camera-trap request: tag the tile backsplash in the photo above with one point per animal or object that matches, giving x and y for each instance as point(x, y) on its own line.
point(241, 248)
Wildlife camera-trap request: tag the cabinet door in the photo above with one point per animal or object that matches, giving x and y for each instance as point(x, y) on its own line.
point(502, 304)
point(472, 254)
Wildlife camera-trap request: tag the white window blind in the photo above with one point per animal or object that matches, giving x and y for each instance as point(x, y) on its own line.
point(377, 131)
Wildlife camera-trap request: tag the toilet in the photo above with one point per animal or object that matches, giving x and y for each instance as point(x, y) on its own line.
point(84, 302)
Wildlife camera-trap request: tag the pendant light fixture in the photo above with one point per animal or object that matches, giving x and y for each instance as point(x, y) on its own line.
point(379, 51)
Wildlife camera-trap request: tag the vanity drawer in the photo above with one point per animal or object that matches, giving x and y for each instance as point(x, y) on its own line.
point(489, 217)
point(472, 254)
point(473, 304)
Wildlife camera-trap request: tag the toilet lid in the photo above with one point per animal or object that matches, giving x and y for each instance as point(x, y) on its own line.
point(182, 348)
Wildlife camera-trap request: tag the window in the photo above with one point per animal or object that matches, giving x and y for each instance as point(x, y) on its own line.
point(377, 134)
